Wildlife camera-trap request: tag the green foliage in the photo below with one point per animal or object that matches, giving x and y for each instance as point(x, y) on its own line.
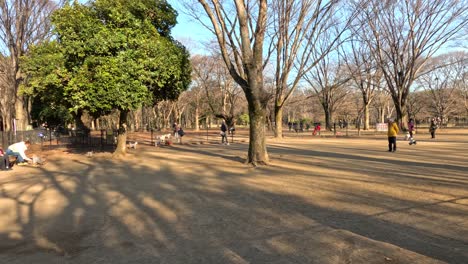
point(53, 115)
point(306, 120)
point(110, 54)
point(244, 119)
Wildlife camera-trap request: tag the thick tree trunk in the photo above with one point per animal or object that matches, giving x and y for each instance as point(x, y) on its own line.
point(366, 117)
point(257, 154)
point(328, 118)
point(278, 121)
point(382, 114)
point(121, 148)
point(79, 124)
point(21, 113)
point(402, 116)
point(197, 117)
point(7, 121)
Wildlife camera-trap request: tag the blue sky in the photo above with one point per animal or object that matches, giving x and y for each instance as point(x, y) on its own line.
point(188, 31)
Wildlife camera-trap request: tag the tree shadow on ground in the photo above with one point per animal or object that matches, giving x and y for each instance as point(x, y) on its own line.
point(121, 211)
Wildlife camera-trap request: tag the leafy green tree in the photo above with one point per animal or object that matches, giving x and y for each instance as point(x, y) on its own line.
point(111, 55)
point(244, 119)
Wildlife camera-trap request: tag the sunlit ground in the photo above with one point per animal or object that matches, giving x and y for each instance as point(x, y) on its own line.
point(321, 200)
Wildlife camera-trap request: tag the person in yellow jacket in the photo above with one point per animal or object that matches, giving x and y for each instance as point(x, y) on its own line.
point(392, 134)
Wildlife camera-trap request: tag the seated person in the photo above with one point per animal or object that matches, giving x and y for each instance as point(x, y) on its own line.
point(18, 150)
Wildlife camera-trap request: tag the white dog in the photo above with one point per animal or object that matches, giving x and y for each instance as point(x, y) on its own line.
point(162, 140)
point(133, 145)
point(407, 136)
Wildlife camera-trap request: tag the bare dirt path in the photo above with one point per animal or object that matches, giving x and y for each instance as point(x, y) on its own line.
point(322, 200)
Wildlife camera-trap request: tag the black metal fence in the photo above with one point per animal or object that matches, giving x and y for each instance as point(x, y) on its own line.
point(48, 138)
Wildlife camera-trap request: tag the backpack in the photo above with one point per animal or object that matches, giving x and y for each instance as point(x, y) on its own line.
point(181, 132)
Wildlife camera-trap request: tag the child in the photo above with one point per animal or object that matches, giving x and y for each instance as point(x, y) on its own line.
point(411, 127)
point(316, 129)
point(411, 132)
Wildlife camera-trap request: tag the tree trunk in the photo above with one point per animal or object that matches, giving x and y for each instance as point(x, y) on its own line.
point(402, 116)
point(21, 114)
point(257, 154)
point(366, 117)
point(7, 121)
point(121, 148)
point(382, 114)
point(328, 118)
point(278, 121)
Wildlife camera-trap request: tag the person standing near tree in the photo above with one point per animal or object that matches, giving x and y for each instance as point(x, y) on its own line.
point(433, 127)
point(392, 134)
point(223, 133)
point(175, 128)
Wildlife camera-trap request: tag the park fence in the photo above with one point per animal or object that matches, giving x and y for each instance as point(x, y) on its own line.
point(73, 139)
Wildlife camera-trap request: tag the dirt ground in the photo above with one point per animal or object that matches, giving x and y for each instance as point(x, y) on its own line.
point(321, 200)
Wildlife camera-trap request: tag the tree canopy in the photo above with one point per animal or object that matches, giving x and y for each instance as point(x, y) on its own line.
point(109, 55)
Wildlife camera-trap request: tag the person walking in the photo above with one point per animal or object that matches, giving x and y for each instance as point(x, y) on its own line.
point(392, 134)
point(176, 128)
point(411, 127)
point(223, 128)
point(316, 129)
point(433, 127)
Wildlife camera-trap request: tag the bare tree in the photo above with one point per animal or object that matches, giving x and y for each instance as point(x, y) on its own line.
point(464, 90)
point(416, 103)
point(240, 29)
point(382, 104)
point(196, 95)
point(327, 79)
point(22, 23)
point(442, 80)
point(7, 94)
point(405, 34)
point(220, 90)
point(296, 42)
point(364, 73)
point(462, 82)
point(163, 112)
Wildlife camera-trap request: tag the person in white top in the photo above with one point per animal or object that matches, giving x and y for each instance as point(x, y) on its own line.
point(18, 150)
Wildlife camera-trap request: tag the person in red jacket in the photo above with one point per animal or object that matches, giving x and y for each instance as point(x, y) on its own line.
point(316, 129)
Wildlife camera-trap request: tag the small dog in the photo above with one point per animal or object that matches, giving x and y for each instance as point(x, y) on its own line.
point(407, 136)
point(163, 140)
point(133, 145)
point(37, 161)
